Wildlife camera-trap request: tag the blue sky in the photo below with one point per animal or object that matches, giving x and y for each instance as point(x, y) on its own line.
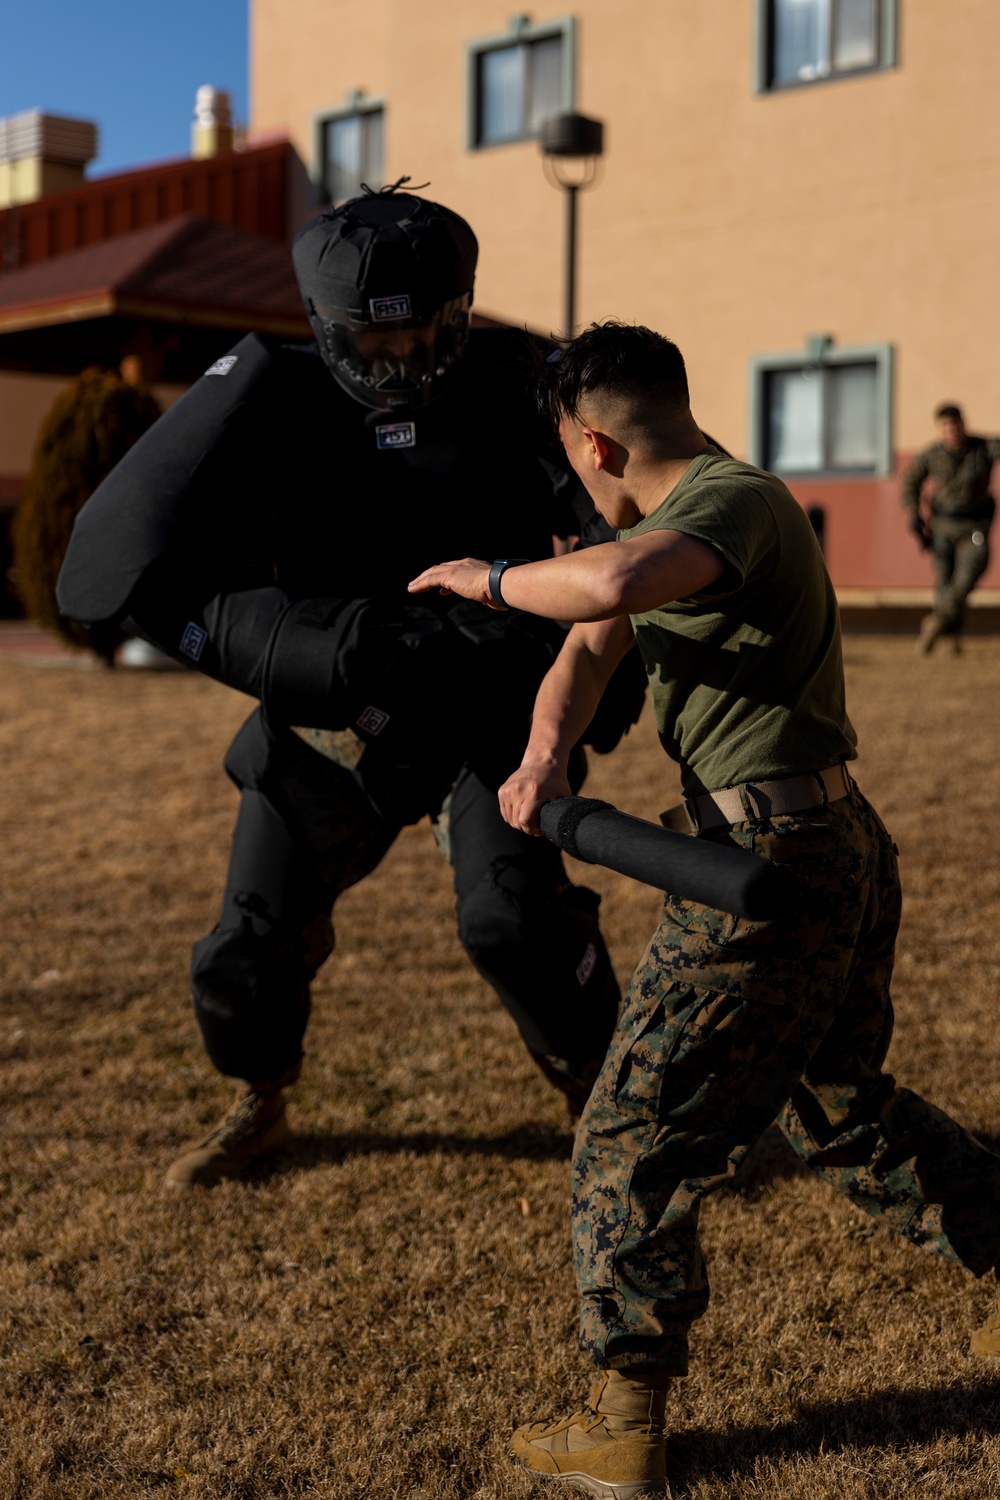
point(130, 65)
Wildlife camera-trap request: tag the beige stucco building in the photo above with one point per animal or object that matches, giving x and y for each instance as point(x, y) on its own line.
point(805, 194)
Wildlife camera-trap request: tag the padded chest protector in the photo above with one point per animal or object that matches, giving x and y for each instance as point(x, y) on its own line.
point(427, 684)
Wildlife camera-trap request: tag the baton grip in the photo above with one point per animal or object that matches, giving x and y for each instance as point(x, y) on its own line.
point(695, 869)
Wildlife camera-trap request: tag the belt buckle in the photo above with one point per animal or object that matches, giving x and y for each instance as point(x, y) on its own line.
point(680, 818)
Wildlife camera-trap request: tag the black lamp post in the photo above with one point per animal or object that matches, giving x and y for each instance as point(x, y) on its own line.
point(571, 145)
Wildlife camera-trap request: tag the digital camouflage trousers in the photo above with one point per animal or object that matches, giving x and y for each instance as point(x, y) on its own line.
point(730, 1025)
point(961, 557)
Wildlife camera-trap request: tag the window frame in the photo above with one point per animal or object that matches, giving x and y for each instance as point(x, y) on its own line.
point(763, 50)
point(522, 30)
point(356, 103)
point(821, 352)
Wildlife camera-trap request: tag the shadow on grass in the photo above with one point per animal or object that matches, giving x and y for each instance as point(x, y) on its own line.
point(529, 1143)
point(887, 1419)
point(770, 1160)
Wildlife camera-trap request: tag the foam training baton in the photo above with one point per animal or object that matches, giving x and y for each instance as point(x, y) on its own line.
point(697, 870)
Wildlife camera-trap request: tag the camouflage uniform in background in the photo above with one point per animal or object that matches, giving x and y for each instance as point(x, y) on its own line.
point(729, 1025)
point(961, 513)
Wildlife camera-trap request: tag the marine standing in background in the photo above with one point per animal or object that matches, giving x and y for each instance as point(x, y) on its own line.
point(957, 525)
point(264, 531)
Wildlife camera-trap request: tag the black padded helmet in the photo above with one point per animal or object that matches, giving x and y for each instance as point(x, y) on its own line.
point(387, 282)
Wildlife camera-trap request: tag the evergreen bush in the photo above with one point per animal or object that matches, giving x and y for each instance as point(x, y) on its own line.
point(92, 424)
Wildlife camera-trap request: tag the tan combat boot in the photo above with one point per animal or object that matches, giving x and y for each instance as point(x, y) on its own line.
point(614, 1447)
point(930, 628)
point(986, 1340)
point(255, 1124)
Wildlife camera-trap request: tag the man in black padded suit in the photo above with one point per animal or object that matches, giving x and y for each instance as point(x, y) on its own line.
point(264, 531)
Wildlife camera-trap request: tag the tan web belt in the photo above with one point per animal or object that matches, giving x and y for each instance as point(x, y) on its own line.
point(758, 799)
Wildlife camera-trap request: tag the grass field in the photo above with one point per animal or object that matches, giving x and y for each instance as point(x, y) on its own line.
point(370, 1315)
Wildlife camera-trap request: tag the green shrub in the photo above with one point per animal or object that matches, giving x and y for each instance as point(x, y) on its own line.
point(90, 427)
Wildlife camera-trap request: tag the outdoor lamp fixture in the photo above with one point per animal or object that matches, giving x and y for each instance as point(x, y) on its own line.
point(571, 145)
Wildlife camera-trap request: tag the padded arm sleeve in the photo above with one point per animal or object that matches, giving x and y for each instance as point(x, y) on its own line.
point(290, 654)
point(151, 503)
point(154, 542)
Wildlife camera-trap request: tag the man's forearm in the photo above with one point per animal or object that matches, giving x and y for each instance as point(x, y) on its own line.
point(600, 583)
point(588, 585)
point(564, 707)
point(913, 481)
point(567, 699)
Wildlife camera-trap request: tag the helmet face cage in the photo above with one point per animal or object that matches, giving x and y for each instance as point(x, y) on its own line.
point(396, 358)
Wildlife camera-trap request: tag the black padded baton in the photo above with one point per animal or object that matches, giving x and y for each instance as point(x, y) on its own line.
point(697, 870)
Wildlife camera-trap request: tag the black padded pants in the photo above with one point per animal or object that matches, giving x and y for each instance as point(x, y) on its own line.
point(305, 833)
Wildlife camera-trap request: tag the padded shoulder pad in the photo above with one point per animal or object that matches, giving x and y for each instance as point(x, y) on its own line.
point(138, 512)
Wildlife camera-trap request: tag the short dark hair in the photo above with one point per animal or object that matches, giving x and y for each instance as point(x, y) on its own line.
point(621, 360)
point(948, 412)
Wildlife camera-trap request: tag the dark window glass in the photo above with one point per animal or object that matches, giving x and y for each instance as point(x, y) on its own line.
point(545, 68)
point(794, 421)
point(821, 419)
point(518, 86)
point(352, 154)
point(851, 437)
point(501, 95)
point(854, 42)
point(815, 38)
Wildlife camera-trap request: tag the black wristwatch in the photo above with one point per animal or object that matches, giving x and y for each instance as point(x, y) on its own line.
point(497, 571)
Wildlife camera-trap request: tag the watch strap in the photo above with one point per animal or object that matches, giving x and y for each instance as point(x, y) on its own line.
point(497, 571)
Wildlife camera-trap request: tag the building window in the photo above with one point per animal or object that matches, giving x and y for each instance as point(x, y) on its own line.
point(806, 41)
point(515, 81)
point(349, 149)
point(828, 411)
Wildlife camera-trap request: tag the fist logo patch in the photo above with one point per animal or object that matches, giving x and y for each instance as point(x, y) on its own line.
point(384, 309)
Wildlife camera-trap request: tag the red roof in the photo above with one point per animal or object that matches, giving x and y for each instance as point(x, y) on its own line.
point(187, 270)
point(249, 189)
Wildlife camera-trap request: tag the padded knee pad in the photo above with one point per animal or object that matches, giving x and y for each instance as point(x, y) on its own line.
point(540, 947)
point(251, 1000)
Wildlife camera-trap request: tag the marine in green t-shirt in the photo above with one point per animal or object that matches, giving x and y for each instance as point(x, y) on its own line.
point(728, 1025)
point(747, 678)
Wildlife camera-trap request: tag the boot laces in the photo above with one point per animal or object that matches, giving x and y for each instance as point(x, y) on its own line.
point(587, 1417)
point(240, 1122)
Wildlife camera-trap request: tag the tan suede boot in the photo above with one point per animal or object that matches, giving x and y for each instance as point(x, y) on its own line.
point(930, 629)
point(254, 1124)
point(614, 1447)
point(986, 1340)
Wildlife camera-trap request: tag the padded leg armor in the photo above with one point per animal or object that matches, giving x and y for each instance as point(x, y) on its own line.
point(534, 938)
point(304, 834)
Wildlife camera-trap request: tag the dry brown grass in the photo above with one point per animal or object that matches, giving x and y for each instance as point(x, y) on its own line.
point(370, 1315)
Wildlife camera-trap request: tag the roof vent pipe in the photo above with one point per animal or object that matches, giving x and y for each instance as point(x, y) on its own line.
point(212, 130)
point(42, 154)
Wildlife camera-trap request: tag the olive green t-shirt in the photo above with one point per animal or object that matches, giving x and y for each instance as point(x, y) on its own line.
point(747, 679)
